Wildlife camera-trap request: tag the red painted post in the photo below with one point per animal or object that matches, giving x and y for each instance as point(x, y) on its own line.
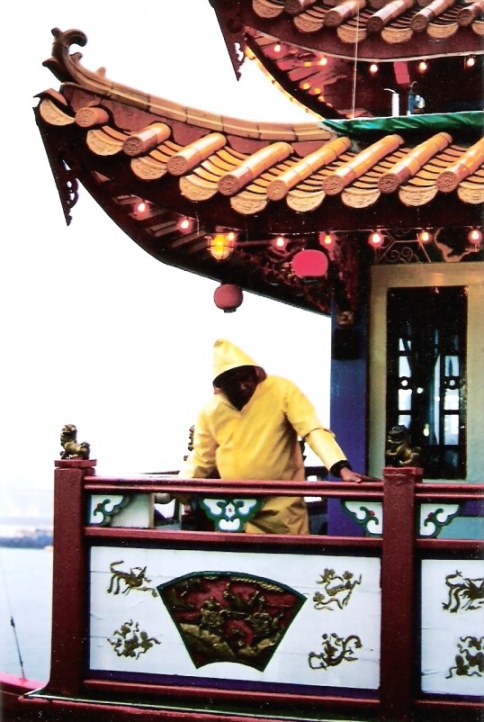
point(69, 603)
point(397, 630)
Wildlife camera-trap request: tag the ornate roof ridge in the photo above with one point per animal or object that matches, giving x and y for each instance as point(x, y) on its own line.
point(67, 67)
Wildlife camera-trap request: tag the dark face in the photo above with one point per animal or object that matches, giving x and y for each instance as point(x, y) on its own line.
point(238, 385)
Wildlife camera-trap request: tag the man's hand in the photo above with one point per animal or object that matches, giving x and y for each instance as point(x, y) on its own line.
point(349, 475)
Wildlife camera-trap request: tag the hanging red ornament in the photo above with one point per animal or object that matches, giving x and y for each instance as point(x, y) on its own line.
point(310, 264)
point(228, 297)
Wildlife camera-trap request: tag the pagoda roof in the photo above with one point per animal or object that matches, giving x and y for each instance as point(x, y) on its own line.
point(151, 163)
point(371, 30)
point(338, 87)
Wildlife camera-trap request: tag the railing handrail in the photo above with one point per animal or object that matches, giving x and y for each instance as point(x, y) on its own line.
point(219, 487)
point(424, 491)
point(448, 491)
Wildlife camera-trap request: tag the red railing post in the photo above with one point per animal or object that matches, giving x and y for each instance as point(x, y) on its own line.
point(397, 623)
point(69, 602)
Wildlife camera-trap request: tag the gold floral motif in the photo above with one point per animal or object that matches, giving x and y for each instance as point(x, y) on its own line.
point(131, 641)
point(470, 660)
point(337, 589)
point(335, 651)
point(464, 593)
point(135, 579)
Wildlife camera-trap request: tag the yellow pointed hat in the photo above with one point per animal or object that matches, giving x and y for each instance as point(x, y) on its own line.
point(228, 356)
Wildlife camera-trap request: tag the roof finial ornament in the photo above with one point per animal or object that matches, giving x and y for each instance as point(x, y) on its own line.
point(61, 62)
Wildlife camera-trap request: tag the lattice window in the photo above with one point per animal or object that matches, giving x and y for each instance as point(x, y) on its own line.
point(426, 383)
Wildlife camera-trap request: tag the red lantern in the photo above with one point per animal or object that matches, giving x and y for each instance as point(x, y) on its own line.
point(228, 297)
point(310, 264)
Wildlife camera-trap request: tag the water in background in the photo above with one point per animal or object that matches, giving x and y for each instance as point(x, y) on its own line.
point(26, 594)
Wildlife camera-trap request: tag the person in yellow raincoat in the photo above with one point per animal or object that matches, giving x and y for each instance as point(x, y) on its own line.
point(250, 430)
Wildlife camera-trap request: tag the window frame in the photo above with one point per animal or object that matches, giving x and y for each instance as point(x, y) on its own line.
point(419, 357)
point(385, 277)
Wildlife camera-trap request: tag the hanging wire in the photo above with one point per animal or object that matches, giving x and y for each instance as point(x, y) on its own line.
point(353, 99)
point(12, 620)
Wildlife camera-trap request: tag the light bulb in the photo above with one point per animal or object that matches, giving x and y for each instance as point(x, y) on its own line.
point(326, 239)
point(475, 236)
point(375, 239)
point(185, 224)
point(221, 245)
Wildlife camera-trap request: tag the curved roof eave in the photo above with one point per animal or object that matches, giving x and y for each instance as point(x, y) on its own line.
point(151, 163)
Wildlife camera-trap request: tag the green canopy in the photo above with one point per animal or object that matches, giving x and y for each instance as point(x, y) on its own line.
point(470, 121)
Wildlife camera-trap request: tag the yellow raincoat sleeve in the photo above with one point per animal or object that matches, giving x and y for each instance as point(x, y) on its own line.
point(201, 461)
point(323, 443)
point(302, 416)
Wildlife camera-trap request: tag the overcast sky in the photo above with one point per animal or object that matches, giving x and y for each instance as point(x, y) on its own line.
point(94, 331)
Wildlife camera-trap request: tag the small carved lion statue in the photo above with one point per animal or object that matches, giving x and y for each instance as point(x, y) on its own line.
point(70, 448)
point(398, 451)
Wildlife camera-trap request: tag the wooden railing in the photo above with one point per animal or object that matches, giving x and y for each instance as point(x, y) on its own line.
point(380, 602)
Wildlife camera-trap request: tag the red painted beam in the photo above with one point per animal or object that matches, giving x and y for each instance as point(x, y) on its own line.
point(284, 700)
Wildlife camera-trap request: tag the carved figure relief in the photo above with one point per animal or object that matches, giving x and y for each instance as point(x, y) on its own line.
point(464, 593)
point(131, 641)
point(124, 581)
point(70, 448)
point(398, 451)
point(337, 589)
point(453, 247)
point(452, 651)
point(469, 662)
point(336, 650)
point(230, 617)
point(175, 615)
